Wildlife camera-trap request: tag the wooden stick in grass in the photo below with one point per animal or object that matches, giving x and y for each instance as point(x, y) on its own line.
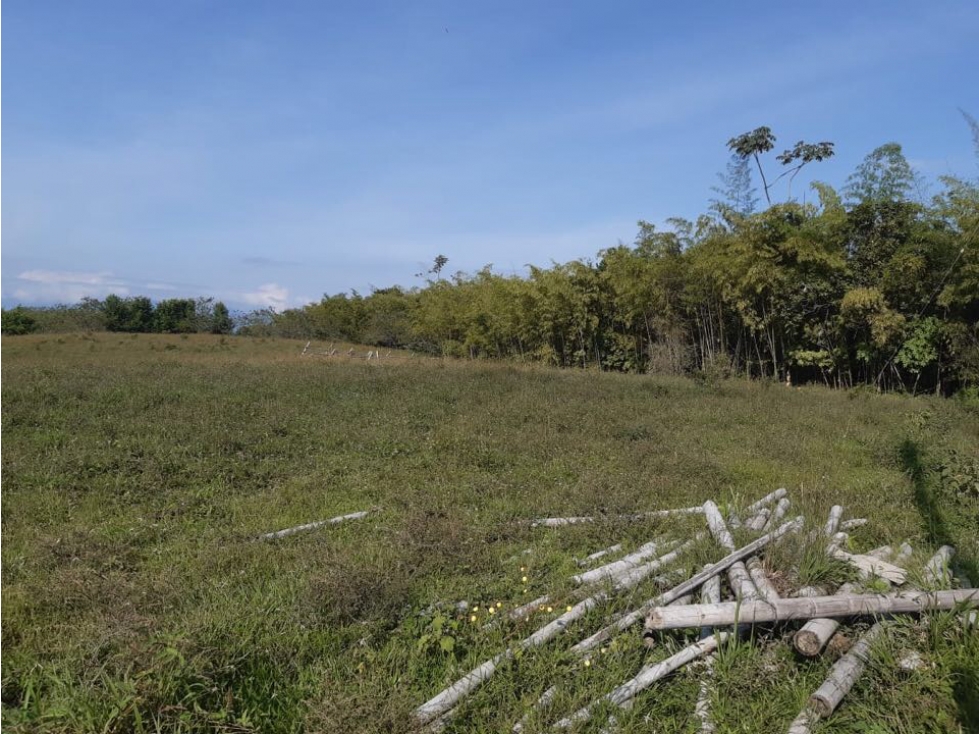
point(848, 525)
point(312, 525)
point(780, 610)
point(442, 702)
point(760, 520)
point(843, 675)
point(691, 584)
point(646, 677)
point(778, 513)
point(764, 585)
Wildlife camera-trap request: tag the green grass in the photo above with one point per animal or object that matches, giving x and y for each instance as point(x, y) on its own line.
point(137, 472)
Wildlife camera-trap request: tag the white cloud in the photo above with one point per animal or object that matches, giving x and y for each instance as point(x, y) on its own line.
point(269, 295)
point(66, 286)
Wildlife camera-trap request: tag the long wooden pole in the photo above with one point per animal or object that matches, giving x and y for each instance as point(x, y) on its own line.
point(312, 525)
point(753, 612)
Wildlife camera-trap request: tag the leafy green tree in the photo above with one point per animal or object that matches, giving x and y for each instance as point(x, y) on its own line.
point(221, 322)
point(884, 176)
point(176, 316)
point(17, 321)
point(759, 141)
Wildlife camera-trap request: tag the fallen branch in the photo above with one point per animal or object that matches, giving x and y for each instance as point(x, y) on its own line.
point(312, 525)
point(780, 610)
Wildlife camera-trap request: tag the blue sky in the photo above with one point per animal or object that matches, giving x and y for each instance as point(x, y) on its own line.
point(268, 153)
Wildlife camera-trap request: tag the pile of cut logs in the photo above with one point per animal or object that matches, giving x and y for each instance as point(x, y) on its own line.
point(696, 602)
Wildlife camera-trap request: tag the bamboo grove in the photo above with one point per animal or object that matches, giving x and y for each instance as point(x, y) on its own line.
point(872, 284)
point(866, 286)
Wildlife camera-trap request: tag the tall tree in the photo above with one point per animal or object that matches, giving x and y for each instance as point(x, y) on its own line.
point(884, 175)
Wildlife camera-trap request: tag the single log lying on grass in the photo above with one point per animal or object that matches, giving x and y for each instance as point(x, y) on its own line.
point(592, 557)
point(848, 525)
point(816, 633)
point(836, 542)
point(904, 552)
point(646, 677)
point(691, 584)
point(557, 522)
point(780, 610)
point(764, 585)
point(833, 523)
point(312, 525)
point(843, 675)
point(868, 566)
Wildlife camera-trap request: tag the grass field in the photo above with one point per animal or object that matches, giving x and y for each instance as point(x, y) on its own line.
point(138, 471)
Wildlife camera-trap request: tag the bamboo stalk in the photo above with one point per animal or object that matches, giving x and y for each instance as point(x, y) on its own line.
point(936, 570)
point(591, 558)
point(778, 513)
point(646, 677)
point(710, 593)
point(543, 702)
point(843, 675)
point(753, 612)
point(762, 582)
point(312, 525)
point(759, 520)
point(833, 523)
point(741, 583)
point(816, 633)
point(766, 500)
point(853, 524)
point(691, 584)
point(556, 522)
point(449, 697)
point(615, 568)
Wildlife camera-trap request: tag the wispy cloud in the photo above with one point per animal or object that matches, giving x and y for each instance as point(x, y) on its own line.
point(269, 295)
point(64, 286)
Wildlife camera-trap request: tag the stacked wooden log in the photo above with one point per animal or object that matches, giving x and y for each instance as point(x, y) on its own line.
point(809, 619)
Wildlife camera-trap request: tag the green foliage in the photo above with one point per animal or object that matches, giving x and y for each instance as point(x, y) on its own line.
point(884, 175)
point(17, 321)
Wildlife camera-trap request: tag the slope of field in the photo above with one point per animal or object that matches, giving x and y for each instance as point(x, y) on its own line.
point(138, 471)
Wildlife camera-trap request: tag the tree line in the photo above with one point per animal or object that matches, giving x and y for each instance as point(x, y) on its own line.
point(872, 283)
point(136, 314)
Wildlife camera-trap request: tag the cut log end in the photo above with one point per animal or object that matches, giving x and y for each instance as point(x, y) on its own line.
point(808, 643)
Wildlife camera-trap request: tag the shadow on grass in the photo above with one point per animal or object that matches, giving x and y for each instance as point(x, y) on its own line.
point(935, 519)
